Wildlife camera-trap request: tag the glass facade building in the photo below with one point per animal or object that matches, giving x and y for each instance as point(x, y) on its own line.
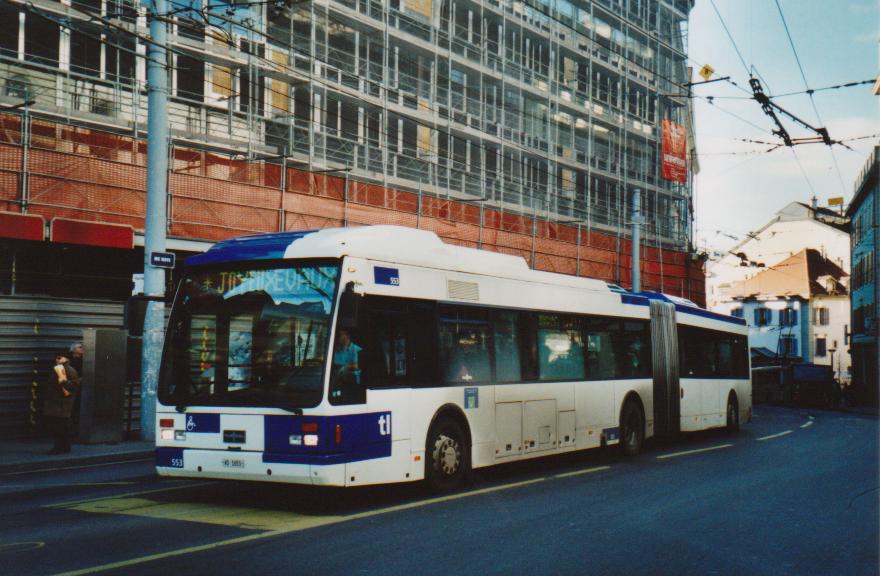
point(549, 108)
point(864, 213)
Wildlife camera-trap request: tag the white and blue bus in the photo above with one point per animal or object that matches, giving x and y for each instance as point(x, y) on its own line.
point(380, 354)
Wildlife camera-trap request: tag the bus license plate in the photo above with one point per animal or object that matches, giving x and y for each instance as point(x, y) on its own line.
point(233, 463)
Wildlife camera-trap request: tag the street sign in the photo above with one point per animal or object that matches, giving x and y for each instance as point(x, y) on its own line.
point(706, 72)
point(162, 259)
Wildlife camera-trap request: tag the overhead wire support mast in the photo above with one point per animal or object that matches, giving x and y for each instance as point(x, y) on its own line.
point(690, 85)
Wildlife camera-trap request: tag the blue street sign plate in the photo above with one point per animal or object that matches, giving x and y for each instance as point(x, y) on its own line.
point(162, 259)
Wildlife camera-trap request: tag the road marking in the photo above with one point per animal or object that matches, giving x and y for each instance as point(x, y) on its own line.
point(120, 483)
point(770, 437)
point(62, 485)
point(80, 467)
point(69, 503)
point(205, 513)
point(697, 451)
point(301, 523)
point(579, 472)
point(20, 546)
point(807, 424)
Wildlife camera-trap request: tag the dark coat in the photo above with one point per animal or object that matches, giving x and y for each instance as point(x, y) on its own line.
point(55, 403)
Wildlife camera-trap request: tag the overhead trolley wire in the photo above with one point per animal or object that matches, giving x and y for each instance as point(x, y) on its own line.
point(732, 41)
point(809, 92)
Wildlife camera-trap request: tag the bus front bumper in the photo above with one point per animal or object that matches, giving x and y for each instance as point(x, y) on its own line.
point(241, 465)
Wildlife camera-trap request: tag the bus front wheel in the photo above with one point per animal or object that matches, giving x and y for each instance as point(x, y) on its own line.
point(632, 429)
point(447, 456)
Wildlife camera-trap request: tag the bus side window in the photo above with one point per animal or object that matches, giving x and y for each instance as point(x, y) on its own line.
point(687, 353)
point(465, 349)
point(560, 348)
point(633, 349)
point(601, 356)
point(385, 343)
point(398, 342)
point(506, 334)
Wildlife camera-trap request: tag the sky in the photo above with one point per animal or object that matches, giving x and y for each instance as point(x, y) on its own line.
point(740, 186)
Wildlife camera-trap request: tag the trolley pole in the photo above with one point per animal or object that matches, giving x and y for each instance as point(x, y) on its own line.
point(636, 240)
point(156, 221)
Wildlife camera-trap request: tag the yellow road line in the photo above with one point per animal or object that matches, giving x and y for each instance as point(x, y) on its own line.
point(807, 424)
point(205, 513)
point(579, 472)
point(79, 467)
point(303, 523)
point(697, 451)
point(69, 503)
point(774, 436)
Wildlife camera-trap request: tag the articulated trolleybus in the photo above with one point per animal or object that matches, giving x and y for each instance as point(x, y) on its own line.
point(379, 354)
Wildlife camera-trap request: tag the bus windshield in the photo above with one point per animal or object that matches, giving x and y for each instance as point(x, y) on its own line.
point(249, 336)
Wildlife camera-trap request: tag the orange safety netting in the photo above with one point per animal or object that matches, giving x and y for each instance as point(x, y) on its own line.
point(87, 174)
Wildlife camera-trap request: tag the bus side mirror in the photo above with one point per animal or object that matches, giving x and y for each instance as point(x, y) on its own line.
point(349, 307)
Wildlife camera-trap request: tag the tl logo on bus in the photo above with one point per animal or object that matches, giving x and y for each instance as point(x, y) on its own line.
point(385, 425)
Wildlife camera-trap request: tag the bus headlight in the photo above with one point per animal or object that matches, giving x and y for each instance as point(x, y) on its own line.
point(167, 434)
point(310, 439)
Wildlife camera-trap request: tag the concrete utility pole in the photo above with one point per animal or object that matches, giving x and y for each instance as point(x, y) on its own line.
point(156, 222)
point(636, 240)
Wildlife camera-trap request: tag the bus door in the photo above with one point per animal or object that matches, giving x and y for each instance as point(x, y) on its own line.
point(667, 392)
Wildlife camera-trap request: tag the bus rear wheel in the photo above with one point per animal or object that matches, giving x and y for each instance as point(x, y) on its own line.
point(632, 429)
point(732, 415)
point(447, 456)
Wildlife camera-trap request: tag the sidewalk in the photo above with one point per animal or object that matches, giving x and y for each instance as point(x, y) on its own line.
point(30, 454)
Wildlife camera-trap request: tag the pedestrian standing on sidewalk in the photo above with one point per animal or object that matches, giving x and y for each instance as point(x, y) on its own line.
point(76, 362)
point(61, 391)
point(76, 357)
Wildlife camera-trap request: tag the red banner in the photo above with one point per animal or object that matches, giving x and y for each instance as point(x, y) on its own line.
point(674, 150)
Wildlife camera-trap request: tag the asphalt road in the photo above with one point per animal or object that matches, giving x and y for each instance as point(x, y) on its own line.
point(795, 492)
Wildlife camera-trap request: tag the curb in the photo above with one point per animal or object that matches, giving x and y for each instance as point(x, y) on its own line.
point(76, 461)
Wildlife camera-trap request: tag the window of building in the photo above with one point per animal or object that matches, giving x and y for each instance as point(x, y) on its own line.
point(252, 87)
point(821, 346)
point(820, 316)
point(120, 59)
point(85, 52)
point(41, 38)
point(788, 317)
point(737, 312)
point(9, 23)
point(190, 78)
point(788, 345)
point(763, 316)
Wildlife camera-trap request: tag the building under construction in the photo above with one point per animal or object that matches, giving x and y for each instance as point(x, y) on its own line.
point(523, 127)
